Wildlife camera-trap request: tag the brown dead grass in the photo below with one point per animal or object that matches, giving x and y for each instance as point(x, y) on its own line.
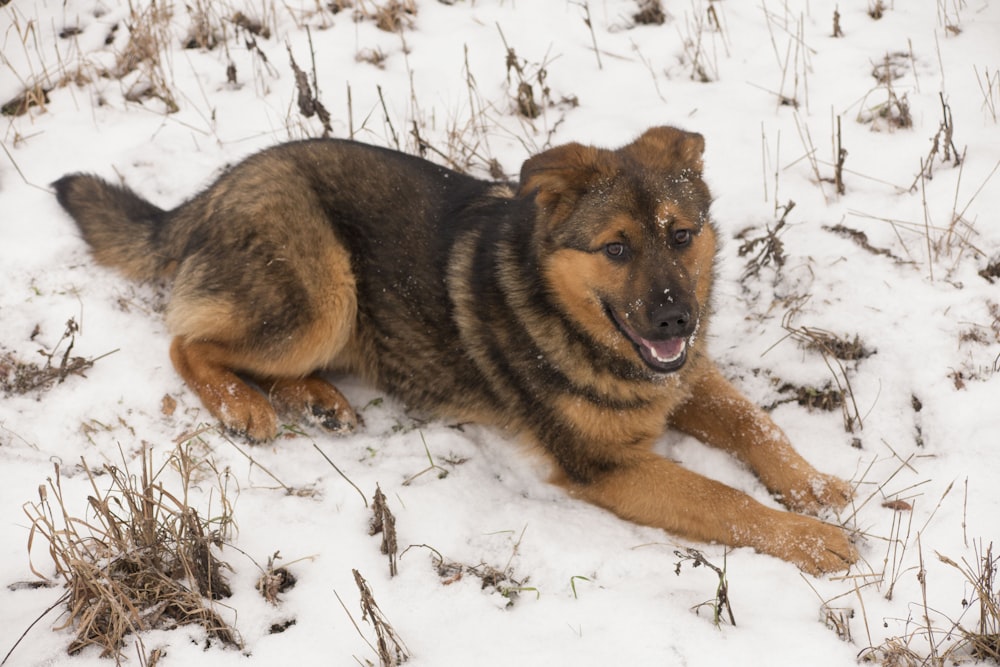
point(24, 377)
point(139, 557)
point(384, 523)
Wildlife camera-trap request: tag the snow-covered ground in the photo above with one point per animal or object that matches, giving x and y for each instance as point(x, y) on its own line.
point(593, 590)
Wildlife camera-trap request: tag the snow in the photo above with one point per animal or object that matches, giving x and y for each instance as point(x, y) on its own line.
point(595, 590)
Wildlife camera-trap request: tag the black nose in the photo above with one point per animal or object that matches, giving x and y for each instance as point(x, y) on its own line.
point(671, 320)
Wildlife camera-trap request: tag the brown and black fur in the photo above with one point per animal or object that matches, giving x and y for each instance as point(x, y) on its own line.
point(569, 308)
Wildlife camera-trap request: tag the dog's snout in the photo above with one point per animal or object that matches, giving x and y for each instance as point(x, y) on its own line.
point(672, 320)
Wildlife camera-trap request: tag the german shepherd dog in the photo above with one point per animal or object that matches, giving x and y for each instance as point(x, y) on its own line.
point(569, 308)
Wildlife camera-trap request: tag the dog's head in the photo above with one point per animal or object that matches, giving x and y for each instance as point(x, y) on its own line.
point(625, 242)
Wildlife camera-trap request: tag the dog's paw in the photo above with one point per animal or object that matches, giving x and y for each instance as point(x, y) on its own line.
point(812, 493)
point(832, 491)
point(316, 400)
point(814, 546)
point(249, 415)
point(338, 419)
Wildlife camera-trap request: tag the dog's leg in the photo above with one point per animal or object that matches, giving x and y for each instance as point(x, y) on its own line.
point(719, 415)
point(281, 322)
point(205, 368)
point(651, 490)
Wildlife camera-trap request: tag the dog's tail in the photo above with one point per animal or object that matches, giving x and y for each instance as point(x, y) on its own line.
point(121, 227)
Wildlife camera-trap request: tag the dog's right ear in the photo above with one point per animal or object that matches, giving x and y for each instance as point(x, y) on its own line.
point(557, 177)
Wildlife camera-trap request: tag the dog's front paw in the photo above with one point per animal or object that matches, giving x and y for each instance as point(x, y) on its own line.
point(832, 491)
point(248, 414)
point(814, 492)
point(814, 546)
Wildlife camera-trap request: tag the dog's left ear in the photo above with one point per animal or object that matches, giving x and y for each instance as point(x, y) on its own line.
point(559, 176)
point(669, 148)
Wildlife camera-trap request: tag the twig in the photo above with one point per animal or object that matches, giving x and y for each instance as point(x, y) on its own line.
point(340, 472)
point(838, 174)
point(593, 37)
point(45, 613)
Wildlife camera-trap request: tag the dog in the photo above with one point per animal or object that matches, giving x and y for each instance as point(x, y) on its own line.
point(569, 308)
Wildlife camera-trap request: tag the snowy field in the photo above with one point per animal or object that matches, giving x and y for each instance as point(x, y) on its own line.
point(867, 316)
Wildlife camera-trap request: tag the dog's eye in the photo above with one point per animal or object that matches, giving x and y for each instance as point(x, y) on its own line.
point(615, 250)
point(681, 237)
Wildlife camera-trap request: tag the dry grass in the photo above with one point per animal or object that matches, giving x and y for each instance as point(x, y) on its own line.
point(894, 112)
point(275, 580)
point(389, 646)
point(24, 377)
point(982, 641)
point(147, 55)
point(937, 640)
point(498, 579)
point(650, 13)
point(835, 351)
point(942, 146)
point(138, 558)
point(861, 239)
point(308, 94)
point(766, 249)
point(390, 15)
point(720, 603)
point(383, 522)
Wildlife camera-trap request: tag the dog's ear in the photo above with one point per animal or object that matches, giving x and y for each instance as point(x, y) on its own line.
point(560, 175)
point(669, 148)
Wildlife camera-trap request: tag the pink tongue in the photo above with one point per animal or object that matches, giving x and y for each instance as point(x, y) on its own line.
point(665, 350)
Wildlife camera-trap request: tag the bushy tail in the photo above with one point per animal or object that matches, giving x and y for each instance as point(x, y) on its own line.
point(120, 226)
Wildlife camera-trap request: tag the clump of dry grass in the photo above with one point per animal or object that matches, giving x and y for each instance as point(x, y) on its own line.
point(390, 15)
point(861, 239)
point(275, 580)
point(826, 398)
point(500, 579)
point(835, 351)
point(950, 641)
point(650, 13)
point(23, 377)
point(528, 85)
point(894, 112)
point(983, 640)
point(139, 558)
point(942, 145)
point(991, 271)
point(35, 95)
point(145, 54)
point(766, 249)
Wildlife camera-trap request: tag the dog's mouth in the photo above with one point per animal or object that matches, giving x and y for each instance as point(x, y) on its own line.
point(663, 356)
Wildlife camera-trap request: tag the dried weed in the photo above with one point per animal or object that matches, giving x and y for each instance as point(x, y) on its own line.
point(766, 249)
point(721, 602)
point(142, 559)
point(274, 581)
point(390, 648)
point(23, 377)
point(650, 13)
point(383, 522)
